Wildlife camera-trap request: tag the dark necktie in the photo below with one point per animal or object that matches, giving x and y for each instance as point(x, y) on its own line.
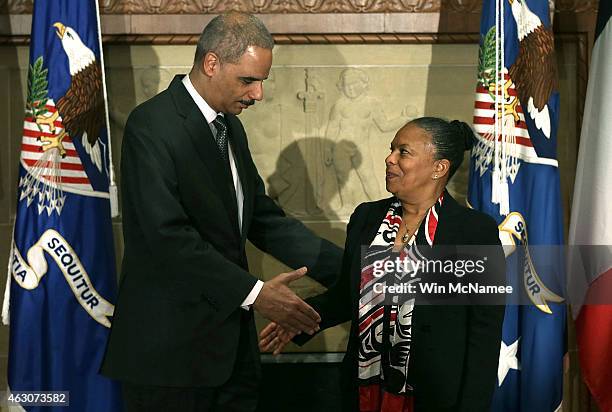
point(222, 145)
point(221, 137)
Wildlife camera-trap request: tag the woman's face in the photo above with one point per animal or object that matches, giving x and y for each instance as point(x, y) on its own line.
point(410, 165)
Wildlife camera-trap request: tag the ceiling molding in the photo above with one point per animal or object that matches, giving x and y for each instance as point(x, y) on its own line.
point(293, 6)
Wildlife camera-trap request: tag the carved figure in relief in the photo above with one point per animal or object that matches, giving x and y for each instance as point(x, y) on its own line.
point(354, 121)
point(153, 81)
point(298, 181)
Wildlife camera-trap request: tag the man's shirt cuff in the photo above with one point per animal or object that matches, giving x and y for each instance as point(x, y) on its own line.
point(250, 299)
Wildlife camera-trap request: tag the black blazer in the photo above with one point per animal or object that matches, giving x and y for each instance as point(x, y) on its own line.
point(455, 349)
point(184, 270)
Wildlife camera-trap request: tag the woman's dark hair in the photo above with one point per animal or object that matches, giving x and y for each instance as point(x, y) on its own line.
point(450, 139)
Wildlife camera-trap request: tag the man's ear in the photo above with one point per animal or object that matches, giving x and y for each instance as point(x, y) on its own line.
point(210, 64)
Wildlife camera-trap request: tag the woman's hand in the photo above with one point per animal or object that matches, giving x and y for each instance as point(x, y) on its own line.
point(273, 338)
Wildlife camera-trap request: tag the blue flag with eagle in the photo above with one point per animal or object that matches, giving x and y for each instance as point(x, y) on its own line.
point(62, 265)
point(514, 178)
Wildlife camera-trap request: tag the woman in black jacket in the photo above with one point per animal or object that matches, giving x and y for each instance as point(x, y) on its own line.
point(417, 353)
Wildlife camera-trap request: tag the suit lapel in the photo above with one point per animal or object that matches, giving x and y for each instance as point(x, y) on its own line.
point(203, 141)
point(449, 209)
point(374, 220)
point(237, 138)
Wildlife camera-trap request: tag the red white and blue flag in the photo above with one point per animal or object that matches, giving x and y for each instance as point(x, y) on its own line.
point(62, 278)
point(514, 177)
point(590, 236)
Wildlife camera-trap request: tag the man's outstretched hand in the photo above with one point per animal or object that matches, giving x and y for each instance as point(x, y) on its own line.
point(280, 304)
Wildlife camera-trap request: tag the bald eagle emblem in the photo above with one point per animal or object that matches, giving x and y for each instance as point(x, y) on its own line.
point(49, 155)
point(507, 99)
point(535, 70)
point(82, 107)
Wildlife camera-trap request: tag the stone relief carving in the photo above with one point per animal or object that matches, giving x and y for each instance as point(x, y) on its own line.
point(355, 120)
point(288, 6)
point(320, 145)
point(577, 6)
point(298, 171)
point(273, 6)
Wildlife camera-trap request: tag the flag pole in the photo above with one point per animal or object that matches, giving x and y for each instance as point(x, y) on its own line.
point(112, 187)
point(6, 314)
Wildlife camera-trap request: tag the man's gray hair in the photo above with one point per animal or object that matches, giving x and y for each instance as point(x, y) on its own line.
point(229, 35)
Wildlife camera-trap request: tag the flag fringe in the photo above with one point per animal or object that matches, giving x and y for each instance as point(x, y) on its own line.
point(499, 178)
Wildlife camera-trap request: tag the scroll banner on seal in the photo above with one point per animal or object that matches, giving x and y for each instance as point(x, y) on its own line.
point(513, 230)
point(29, 274)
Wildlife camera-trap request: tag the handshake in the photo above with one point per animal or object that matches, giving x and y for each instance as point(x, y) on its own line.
point(289, 314)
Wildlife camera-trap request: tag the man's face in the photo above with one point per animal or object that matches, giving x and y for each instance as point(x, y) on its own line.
point(238, 85)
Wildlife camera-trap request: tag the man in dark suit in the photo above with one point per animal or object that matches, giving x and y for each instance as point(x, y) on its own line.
point(183, 335)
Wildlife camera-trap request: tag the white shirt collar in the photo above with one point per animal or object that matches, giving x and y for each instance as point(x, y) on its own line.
point(206, 110)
